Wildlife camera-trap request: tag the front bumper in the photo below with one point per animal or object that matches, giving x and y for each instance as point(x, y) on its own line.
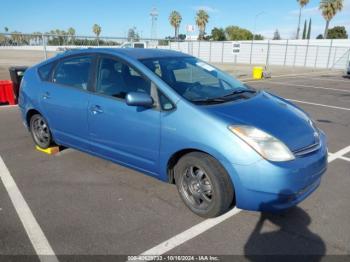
point(272, 186)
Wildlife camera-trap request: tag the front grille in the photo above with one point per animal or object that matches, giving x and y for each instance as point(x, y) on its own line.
point(307, 150)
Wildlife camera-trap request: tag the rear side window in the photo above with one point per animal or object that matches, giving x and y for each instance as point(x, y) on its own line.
point(73, 72)
point(44, 71)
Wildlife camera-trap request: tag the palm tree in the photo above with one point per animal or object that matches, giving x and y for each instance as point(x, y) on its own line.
point(97, 31)
point(302, 4)
point(17, 37)
point(37, 37)
point(329, 9)
point(6, 29)
point(201, 21)
point(71, 33)
point(175, 21)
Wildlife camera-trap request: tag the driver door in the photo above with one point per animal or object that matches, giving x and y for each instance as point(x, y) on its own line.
point(125, 134)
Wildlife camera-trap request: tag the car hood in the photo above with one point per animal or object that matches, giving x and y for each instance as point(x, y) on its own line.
point(273, 115)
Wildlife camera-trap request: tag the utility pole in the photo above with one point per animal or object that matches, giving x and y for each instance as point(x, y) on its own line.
point(251, 46)
point(154, 16)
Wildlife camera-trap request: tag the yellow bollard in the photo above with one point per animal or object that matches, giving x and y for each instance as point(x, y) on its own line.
point(50, 151)
point(258, 72)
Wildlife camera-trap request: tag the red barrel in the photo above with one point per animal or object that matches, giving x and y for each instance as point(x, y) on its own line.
point(6, 92)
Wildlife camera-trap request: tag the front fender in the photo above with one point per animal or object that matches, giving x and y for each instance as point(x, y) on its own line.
point(224, 161)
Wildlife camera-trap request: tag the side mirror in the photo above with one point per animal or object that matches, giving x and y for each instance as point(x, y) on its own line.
point(139, 99)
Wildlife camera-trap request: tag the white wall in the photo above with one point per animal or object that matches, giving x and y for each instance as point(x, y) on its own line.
point(312, 53)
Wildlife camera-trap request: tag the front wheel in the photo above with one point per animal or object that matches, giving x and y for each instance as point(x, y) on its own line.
point(203, 184)
point(40, 131)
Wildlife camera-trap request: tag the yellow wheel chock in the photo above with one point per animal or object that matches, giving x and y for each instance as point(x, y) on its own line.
point(50, 151)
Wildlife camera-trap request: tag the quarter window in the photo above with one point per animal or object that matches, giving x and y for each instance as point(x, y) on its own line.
point(73, 72)
point(44, 71)
point(165, 102)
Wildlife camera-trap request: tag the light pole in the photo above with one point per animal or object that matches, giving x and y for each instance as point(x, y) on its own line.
point(251, 47)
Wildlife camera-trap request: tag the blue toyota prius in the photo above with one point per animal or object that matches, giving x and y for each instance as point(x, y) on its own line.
point(181, 120)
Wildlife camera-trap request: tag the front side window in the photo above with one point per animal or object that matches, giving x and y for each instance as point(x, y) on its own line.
point(73, 72)
point(196, 80)
point(116, 79)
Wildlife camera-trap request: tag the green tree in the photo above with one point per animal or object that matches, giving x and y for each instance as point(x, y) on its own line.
point(235, 33)
point(36, 36)
point(182, 37)
point(202, 19)
point(329, 9)
point(276, 35)
point(309, 30)
point(61, 36)
point(258, 37)
point(97, 31)
point(337, 32)
point(17, 37)
point(319, 36)
point(71, 31)
point(304, 31)
point(302, 4)
point(175, 20)
point(71, 34)
point(133, 35)
point(3, 39)
point(218, 34)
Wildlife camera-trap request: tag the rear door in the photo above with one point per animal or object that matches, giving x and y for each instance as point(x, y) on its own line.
point(125, 134)
point(65, 100)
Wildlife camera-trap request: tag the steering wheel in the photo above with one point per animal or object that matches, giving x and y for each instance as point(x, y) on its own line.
point(194, 88)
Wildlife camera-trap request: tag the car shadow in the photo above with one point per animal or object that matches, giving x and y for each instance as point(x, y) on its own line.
point(277, 236)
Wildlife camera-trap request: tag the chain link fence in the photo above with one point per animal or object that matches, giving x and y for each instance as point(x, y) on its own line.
point(27, 49)
point(328, 54)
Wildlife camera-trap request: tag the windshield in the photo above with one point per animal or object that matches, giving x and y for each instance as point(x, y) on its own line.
point(196, 80)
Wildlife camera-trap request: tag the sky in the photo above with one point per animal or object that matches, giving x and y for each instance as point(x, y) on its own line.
point(117, 16)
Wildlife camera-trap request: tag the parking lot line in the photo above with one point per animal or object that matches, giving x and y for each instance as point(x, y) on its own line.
point(8, 106)
point(345, 158)
point(200, 228)
point(31, 226)
point(339, 154)
point(294, 75)
point(316, 104)
point(327, 79)
point(308, 86)
point(190, 233)
point(341, 157)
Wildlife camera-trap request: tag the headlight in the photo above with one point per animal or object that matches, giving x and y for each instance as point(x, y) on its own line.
point(266, 145)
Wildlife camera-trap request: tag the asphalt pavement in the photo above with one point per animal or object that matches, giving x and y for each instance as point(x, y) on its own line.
point(84, 205)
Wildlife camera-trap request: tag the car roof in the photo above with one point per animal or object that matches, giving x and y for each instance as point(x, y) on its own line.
point(136, 53)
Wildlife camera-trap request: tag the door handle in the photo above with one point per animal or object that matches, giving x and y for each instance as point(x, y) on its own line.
point(96, 109)
point(46, 95)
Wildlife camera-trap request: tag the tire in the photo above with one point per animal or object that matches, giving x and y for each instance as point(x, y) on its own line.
point(40, 131)
point(203, 185)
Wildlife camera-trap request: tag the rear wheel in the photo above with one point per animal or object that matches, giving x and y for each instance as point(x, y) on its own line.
point(203, 184)
point(40, 131)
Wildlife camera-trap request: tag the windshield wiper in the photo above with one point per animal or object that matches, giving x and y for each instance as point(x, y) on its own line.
point(210, 101)
point(240, 91)
point(223, 99)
